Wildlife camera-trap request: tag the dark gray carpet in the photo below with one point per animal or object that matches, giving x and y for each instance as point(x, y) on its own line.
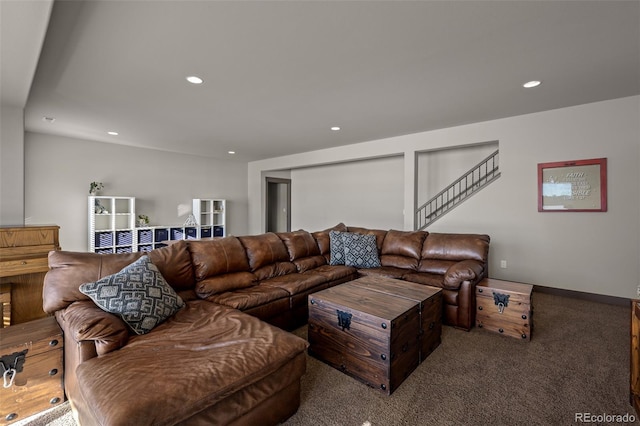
point(576, 362)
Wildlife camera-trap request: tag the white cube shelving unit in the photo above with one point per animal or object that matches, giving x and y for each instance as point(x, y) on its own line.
point(112, 222)
point(211, 217)
point(112, 225)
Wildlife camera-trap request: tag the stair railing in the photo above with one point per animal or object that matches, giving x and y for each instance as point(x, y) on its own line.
point(468, 184)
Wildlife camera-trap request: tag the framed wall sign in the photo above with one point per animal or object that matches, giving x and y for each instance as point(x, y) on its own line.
point(573, 186)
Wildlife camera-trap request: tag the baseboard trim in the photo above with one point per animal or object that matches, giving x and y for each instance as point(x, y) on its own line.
point(600, 298)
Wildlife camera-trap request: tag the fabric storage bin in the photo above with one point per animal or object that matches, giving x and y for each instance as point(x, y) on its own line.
point(104, 239)
point(145, 236)
point(162, 234)
point(124, 238)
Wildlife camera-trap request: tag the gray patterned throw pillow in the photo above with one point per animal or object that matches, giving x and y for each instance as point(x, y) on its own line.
point(360, 250)
point(336, 248)
point(138, 294)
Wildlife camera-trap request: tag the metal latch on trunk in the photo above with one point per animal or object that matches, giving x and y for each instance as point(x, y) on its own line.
point(11, 365)
point(501, 300)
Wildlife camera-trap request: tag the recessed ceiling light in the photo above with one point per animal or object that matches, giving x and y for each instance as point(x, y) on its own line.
point(232, 152)
point(112, 133)
point(49, 120)
point(195, 79)
point(532, 83)
point(335, 128)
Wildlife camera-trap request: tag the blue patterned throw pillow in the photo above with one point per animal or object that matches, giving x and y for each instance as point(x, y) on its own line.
point(336, 248)
point(138, 294)
point(360, 250)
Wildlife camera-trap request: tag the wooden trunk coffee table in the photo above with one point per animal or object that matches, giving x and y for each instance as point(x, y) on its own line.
point(375, 329)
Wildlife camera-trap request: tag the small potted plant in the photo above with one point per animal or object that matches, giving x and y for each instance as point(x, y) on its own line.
point(94, 187)
point(143, 220)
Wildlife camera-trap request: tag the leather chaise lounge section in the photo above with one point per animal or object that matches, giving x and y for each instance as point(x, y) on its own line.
point(225, 358)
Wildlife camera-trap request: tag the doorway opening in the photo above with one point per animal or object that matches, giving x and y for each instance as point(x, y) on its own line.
point(278, 205)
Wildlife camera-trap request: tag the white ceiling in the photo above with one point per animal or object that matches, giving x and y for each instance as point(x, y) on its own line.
point(279, 74)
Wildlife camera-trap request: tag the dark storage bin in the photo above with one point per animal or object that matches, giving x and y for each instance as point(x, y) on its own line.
point(162, 234)
point(177, 233)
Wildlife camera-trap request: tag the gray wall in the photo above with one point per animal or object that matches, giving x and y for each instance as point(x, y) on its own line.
point(591, 252)
point(11, 165)
point(360, 193)
point(58, 171)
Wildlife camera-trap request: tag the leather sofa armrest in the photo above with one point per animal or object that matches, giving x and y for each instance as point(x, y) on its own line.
point(465, 270)
point(84, 321)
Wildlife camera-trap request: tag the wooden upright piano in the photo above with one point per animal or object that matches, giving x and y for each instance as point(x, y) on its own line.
point(23, 264)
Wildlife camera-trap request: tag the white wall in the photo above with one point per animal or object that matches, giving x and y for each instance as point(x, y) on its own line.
point(591, 252)
point(58, 171)
point(356, 192)
point(11, 165)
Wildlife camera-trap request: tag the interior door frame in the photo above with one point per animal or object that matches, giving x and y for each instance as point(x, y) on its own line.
point(269, 180)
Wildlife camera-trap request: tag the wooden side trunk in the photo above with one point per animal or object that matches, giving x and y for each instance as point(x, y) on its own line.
point(504, 307)
point(377, 339)
point(37, 385)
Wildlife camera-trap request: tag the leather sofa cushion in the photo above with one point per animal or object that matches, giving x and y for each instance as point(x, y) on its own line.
point(466, 270)
point(250, 297)
point(456, 247)
point(264, 250)
point(275, 270)
point(224, 282)
point(174, 263)
point(310, 262)
point(386, 271)
point(334, 272)
point(85, 321)
point(322, 238)
point(435, 266)
point(434, 280)
point(299, 244)
point(218, 256)
point(395, 261)
point(379, 233)
point(69, 270)
point(195, 367)
point(295, 283)
point(403, 243)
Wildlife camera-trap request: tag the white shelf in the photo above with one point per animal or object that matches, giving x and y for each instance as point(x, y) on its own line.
point(112, 225)
point(210, 214)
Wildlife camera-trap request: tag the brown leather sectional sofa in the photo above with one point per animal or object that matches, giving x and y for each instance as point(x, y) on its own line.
point(211, 363)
